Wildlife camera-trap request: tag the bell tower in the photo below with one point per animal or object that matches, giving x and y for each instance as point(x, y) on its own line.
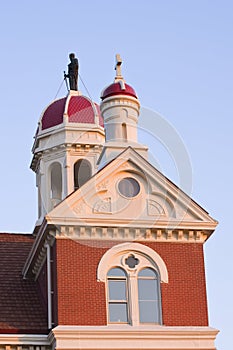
point(67, 144)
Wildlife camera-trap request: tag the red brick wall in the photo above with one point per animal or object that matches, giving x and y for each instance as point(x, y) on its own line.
point(184, 300)
point(81, 299)
point(54, 284)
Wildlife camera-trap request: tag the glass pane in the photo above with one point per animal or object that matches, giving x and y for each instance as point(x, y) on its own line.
point(118, 312)
point(117, 290)
point(147, 272)
point(117, 272)
point(147, 289)
point(129, 187)
point(149, 312)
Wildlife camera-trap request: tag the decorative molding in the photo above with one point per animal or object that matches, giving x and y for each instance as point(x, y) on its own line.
point(103, 186)
point(144, 254)
point(126, 337)
point(103, 206)
point(24, 342)
point(154, 208)
point(120, 337)
point(49, 240)
point(22, 346)
point(129, 234)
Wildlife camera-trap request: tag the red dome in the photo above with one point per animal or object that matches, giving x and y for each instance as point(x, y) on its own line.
point(79, 109)
point(118, 89)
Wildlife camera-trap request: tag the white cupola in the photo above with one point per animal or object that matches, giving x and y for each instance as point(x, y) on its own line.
point(120, 109)
point(68, 143)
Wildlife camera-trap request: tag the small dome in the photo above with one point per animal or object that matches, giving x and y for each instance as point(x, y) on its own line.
point(118, 88)
point(79, 109)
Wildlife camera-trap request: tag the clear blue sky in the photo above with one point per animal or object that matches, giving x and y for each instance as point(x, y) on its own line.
point(178, 55)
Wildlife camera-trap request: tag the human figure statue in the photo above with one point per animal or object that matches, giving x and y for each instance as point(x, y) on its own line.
point(73, 72)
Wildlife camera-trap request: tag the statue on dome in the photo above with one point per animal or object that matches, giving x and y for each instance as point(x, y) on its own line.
point(72, 72)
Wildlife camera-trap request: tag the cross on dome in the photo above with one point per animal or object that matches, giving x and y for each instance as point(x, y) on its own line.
point(118, 68)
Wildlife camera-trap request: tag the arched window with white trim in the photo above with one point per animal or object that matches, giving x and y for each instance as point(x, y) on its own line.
point(133, 274)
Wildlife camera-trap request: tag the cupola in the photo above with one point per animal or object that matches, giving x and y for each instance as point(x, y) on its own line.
point(67, 145)
point(120, 109)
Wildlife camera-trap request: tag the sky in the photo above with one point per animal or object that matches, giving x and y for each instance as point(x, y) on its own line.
point(178, 56)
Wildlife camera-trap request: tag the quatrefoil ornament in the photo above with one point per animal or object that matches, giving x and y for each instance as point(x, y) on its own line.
point(131, 261)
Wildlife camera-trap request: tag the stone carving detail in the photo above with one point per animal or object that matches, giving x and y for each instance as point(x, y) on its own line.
point(154, 208)
point(125, 165)
point(103, 206)
point(131, 261)
point(79, 208)
point(103, 186)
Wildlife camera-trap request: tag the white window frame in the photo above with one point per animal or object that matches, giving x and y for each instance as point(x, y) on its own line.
point(147, 257)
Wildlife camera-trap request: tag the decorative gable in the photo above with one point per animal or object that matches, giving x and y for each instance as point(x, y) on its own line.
point(130, 193)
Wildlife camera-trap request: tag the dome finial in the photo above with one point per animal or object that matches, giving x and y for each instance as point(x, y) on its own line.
point(118, 68)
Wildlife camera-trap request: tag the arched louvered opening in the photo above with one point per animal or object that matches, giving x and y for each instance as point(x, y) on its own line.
point(56, 183)
point(82, 172)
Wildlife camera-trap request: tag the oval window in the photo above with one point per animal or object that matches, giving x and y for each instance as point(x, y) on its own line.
point(129, 187)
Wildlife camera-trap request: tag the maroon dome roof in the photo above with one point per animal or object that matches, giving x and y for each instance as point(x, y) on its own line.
point(118, 89)
point(79, 109)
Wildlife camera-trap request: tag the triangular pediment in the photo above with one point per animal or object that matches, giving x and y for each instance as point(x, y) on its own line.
point(112, 198)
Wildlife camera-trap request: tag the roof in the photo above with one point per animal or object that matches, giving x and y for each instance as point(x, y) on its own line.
point(21, 310)
point(118, 88)
point(79, 109)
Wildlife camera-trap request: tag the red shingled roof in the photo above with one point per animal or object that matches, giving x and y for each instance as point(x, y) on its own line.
point(80, 109)
point(20, 308)
point(118, 89)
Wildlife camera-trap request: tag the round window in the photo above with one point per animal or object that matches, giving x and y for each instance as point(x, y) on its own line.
point(129, 187)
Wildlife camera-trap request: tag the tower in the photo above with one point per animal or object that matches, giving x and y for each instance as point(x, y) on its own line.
point(117, 257)
point(120, 109)
point(67, 145)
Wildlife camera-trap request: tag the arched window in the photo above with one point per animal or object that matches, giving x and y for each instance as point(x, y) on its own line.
point(117, 296)
point(82, 172)
point(124, 132)
point(133, 274)
point(56, 183)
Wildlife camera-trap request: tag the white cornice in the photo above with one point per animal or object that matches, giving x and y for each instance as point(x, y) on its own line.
point(128, 337)
point(144, 229)
point(24, 339)
point(130, 234)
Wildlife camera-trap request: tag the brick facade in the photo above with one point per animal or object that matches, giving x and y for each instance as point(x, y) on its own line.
point(81, 298)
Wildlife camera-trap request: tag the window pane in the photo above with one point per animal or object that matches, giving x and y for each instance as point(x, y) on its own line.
point(147, 289)
point(149, 312)
point(147, 272)
point(129, 187)
point(117, 272)
point(148, 296)
point(118, 312)
point(117, 290)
